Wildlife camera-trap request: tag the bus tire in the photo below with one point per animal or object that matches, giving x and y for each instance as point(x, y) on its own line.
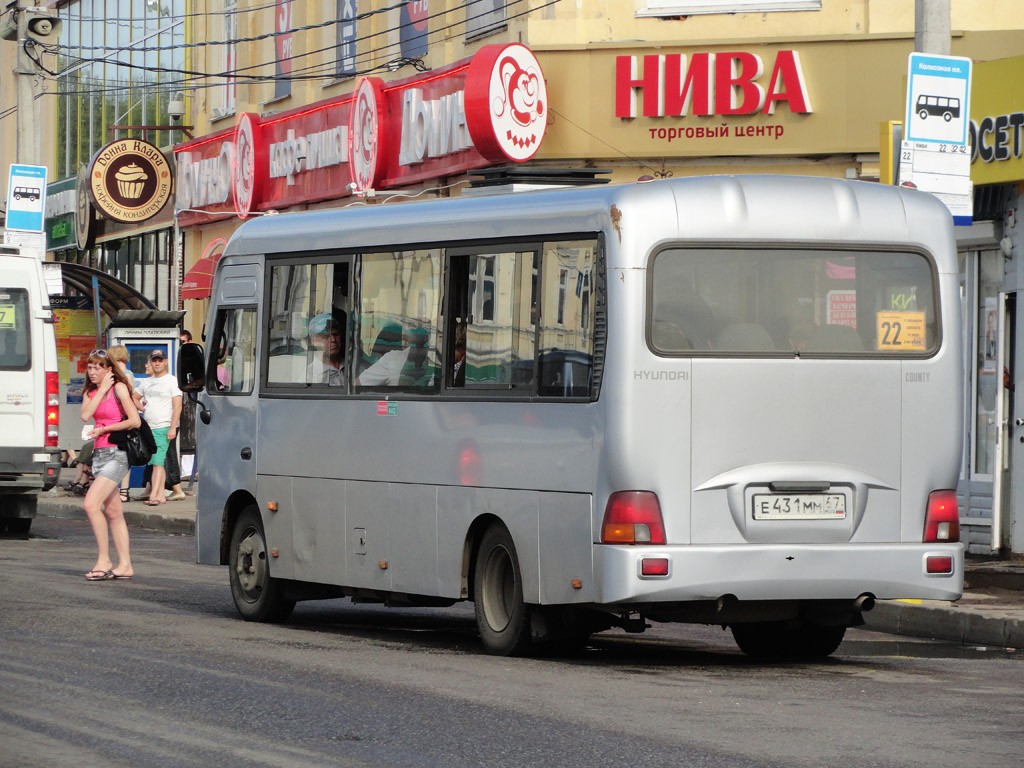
point(786, 640)
point(947, 116)
point(19, 526)
point(923, 114)
point(258, 595)
point(502, 617)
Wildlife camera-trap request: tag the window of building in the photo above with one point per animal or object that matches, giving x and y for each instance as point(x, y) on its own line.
point(693, 7)
point(345, 31)
point(484, 17)
point(125, 52)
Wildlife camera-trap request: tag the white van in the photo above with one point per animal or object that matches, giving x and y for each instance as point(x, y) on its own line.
point(29, 397)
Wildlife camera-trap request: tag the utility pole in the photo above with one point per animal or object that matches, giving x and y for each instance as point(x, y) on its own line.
point(27, 25)
point(931, 26)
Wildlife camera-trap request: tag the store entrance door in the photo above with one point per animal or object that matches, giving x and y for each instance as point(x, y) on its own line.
point(987, 339)
point(1002, 486)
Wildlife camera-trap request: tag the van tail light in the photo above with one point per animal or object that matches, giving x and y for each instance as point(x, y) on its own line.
point(942, 520)
point(52, 409)
point(633, 517)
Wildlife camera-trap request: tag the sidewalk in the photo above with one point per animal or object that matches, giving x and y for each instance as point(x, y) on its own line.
point(991, 612)
point(172, 517)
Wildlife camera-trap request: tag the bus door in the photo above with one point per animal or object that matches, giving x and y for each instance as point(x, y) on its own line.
point(228, 460)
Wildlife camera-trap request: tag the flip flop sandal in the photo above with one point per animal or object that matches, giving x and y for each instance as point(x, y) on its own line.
point(100, 576)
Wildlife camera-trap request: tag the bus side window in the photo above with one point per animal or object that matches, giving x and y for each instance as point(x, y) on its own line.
point(491, 331)
point(566, 355)
point(397, 331)
point(233, 367)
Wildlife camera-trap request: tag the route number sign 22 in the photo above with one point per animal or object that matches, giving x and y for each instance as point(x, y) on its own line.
point(898, 331)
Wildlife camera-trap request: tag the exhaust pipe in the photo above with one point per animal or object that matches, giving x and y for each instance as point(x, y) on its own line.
point(865, 602)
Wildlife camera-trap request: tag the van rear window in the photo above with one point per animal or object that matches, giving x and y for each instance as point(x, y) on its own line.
point(15, 346)
point(782, 302)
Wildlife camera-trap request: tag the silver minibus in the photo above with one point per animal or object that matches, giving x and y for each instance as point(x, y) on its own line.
point(722, 400)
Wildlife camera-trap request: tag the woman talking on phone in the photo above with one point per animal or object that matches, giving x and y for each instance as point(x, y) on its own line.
point(107, 399)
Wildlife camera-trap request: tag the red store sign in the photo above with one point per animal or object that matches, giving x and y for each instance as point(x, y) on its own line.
point(491, 108)
point(732, 83)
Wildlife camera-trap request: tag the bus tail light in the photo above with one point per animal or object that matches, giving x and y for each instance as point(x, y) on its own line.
point(633, 517)
point(942, 519)
point(938, 564)
point(52, 409)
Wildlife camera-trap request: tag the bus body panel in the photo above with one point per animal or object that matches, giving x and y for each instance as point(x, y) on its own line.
point(766, 415)
point(385, 501)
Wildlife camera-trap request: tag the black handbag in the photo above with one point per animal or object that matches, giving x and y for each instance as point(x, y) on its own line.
point(137, 442)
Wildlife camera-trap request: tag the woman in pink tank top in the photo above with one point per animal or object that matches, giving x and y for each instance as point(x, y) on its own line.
point(107, 399)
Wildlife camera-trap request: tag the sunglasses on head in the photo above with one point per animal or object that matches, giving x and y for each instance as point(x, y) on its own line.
point(98, 353)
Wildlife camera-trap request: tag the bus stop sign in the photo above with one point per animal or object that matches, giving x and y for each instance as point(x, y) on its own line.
point(26, 196)
point(938, 99)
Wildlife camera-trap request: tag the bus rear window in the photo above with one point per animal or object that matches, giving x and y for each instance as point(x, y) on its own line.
point(15, 349)
point(780, 302)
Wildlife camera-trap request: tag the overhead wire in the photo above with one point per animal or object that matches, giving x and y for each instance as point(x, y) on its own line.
point(315, 71)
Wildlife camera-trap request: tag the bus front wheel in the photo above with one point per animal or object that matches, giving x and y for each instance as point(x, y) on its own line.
point(787, 640)
point(502, 617)
point(923, 114)
point(258, 595)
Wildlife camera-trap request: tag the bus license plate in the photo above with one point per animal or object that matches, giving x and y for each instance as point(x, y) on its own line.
point(799, 506)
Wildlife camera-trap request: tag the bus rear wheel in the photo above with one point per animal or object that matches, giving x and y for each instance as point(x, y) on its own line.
point(787, 640)
point(258, 595)
point(502, 617)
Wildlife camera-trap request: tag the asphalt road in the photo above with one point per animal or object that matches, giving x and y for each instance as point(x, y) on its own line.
point(159, 672)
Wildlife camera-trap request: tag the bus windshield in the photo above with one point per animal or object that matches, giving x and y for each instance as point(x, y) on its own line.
point(14, 340)
point(783, 302)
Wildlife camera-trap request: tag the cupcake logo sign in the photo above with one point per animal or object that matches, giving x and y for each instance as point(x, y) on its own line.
point(130, 180)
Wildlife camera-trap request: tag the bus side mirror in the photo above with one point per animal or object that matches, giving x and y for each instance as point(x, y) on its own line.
point(191, 375)
point(191, 366)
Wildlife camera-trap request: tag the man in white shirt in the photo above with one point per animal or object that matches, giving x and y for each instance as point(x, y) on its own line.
point(402, 367)
point(162, 400)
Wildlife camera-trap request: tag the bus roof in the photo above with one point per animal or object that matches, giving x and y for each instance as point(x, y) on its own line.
point(796, 209)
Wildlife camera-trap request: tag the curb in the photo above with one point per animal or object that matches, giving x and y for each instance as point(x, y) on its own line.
point(960, 623)
point(71, 509)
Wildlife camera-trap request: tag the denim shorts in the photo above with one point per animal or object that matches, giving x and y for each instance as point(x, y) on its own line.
point(111, 463)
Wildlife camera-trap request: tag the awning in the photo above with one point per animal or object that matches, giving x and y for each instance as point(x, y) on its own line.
point(114, 294)
point(198, 281)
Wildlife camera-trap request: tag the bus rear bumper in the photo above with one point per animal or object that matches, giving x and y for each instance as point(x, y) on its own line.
point(777, 572)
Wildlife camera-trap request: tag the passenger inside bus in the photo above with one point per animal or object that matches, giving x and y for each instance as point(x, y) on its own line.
point(404, 367)
point(327, 339)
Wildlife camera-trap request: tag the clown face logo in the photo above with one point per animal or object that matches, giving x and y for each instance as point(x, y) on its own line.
point(244, 172)
point(364, 136)
point(518, 102)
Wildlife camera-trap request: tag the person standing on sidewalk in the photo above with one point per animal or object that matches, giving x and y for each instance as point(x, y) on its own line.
point(163, 412)
point(107, 400)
